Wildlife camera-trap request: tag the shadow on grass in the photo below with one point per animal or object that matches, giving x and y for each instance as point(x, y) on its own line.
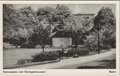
point(103, 64)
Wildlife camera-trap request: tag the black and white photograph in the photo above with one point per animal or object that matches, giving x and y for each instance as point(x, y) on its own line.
point(59, 36)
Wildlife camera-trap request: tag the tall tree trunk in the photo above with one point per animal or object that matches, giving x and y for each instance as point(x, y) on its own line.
point(43, 49)
point(98, 42)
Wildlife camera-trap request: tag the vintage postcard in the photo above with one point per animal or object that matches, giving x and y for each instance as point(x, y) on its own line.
point(59, 38)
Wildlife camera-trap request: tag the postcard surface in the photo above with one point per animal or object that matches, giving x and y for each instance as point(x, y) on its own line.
point(73, 38)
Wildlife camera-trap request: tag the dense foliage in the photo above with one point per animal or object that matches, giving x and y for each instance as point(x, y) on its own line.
point(45, 56)
point(78, 51)
point(26, 27)
point(53, 55)
point(104, 25)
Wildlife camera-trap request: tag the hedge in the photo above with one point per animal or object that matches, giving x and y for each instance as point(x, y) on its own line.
point(78, 51)
point(45, 56)
point(53, 55)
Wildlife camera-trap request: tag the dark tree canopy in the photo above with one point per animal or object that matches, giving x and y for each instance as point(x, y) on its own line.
point(27, 26)
point(104, 18)
point(104, 26)
point(10, 18)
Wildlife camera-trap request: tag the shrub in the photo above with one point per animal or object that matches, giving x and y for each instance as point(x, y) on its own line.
point(106, 47)
point(70, 52)
point(28, 44)
point(45, 56)
point(78, 51)
point(23, 61)
point(82, 51)
point(91, 43)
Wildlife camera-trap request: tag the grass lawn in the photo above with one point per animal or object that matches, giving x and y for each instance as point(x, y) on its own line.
point(11, 56)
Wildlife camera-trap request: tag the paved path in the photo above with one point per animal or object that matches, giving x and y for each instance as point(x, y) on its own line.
point(72, 61)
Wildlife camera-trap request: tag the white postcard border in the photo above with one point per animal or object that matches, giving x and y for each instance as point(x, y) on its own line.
point(63, 72)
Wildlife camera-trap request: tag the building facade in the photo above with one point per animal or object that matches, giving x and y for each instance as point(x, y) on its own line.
point(61, 41)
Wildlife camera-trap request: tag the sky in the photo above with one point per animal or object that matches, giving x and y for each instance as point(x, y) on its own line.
point(75, 8)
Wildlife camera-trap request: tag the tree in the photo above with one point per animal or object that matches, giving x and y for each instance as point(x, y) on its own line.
point(18, 24)
point(70, 24)
point(10, 20)
point(77, 28)
point(91, 42)
point(60, 14)
point(109, 38)
point(103, 21)
point(40, 35)
point(71, 28)
point(18, 37)
point(27, 18)
point(47, 20)
point(28, 21)
point(42, 30)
